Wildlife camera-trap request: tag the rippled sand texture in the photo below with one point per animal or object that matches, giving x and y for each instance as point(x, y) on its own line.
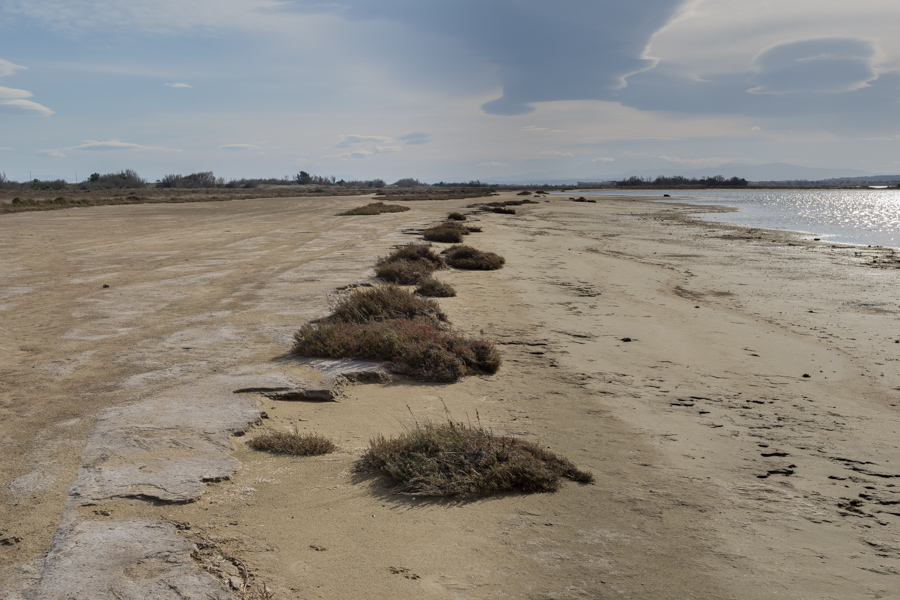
point(734, 393)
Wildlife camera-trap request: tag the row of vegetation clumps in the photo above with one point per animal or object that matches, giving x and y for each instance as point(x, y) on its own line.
point(444, 459)
point(411, 333)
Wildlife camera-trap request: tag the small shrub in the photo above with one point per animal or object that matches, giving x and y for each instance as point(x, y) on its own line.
point(414, 347)
point(524, 193)
point(375, 208)
point(455, 216)
point(383, 302)
point(467, 257)
point(455, 459)
point(431, 287)
point(502, 210)
point(450, 232)
point(402, 272)
point(296, 443)
point(417, 252)
point(408, 264)
point(446, 235)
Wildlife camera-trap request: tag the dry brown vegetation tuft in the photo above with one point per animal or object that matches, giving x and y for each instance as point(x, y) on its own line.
point(294, 442)
point(449, 232)
point(381, 303)
point(391, 324)
point(415, 347)
point(432, 287)
point(408, 264)
point(455, 459)
point(375, 208)
point(455, 216)
point(502, 210)
point(446, 235)
point(467, 257)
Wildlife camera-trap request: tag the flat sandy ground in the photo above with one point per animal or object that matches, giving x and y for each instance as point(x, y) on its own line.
point(735, 393)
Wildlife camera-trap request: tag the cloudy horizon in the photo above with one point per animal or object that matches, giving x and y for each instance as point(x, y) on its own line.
point(444, 90)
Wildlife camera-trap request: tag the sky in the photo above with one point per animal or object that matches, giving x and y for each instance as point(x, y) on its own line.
point(445, 90)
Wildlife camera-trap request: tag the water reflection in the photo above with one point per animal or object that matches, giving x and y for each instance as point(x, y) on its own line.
point(868, 217)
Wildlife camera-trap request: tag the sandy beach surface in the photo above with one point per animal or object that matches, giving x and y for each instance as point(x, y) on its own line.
point(734, 392)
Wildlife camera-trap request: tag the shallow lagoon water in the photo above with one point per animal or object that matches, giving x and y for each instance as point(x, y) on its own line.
point(866, 217)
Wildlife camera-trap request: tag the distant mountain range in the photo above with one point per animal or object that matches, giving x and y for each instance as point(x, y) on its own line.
point(766, 172)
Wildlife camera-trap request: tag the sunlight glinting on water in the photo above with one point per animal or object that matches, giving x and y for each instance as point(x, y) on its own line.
point(867, 217)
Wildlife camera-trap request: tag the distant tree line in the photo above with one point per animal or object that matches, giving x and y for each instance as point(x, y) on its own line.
point(470, 183)
point(717, 181)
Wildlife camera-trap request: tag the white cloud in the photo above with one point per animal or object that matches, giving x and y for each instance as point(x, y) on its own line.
point(95, 145)
point(826, 65)
point(711, 37)
point(12, 93)
point(8, 68)
point(701, 162)
point(415, 138)
point(105, 146)
point(557, 153)
point(26, 105)
point(53, 153)
point(493, 164)
point(239, 147)
point(156, 16)
point(603, 159)
point(356, 155)
point(179, 85)
point(349, 140)
point(12, 99)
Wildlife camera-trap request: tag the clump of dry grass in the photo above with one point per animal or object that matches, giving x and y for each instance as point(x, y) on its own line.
point(502, 210)
point(375, 208)
point(402, 272)
point(467, 257)
point(448, 232)
point(432, 287)
point(414, 347)
point(455, 216)
point(294, 442)
point(381, 303)
point(408, 264)
point(390, 324)
point(455, 459)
